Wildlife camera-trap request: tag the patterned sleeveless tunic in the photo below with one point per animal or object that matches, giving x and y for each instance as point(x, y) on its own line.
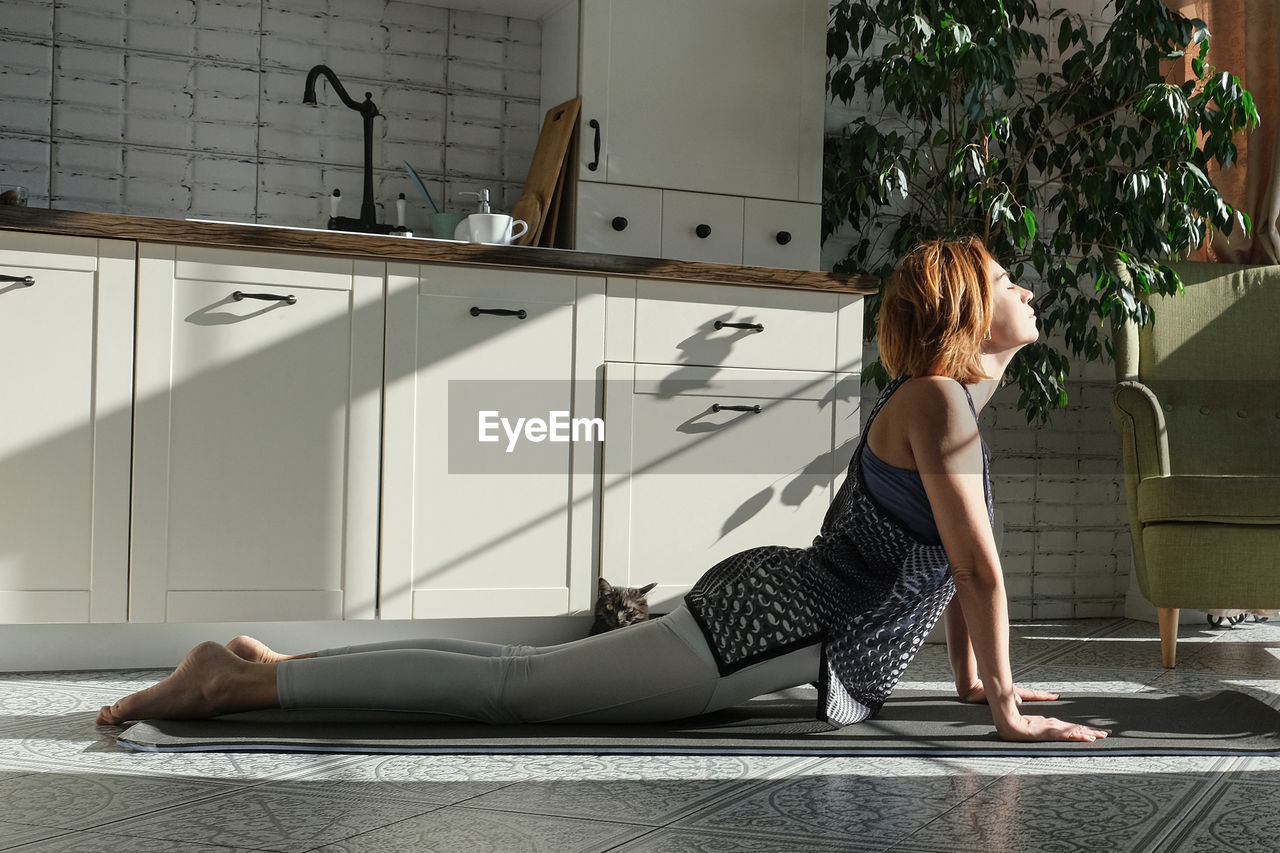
point(866, 589)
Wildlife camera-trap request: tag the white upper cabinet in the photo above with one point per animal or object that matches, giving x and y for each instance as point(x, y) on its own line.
point(714, 96)
point(256, 441)
point(711, 104)
point(66, 343)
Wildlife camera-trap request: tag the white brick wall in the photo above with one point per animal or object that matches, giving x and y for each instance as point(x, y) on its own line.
point(1059, 488)
point(192, 108)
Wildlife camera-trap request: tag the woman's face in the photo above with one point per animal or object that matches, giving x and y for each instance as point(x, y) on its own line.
point(1013, 322)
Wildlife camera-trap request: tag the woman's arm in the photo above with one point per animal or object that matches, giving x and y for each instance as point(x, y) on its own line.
point(947, 448)
point(965, 666)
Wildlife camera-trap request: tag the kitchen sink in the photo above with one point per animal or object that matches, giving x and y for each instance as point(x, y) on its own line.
point(300, 228)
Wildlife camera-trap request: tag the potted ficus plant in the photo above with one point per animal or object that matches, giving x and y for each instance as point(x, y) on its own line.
point(1072, 156)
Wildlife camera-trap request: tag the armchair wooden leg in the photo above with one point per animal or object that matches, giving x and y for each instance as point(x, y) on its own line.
point(1168, 617)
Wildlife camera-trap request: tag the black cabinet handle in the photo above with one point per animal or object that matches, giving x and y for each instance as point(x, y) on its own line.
point(595, 164)
point(716, 407)
point(758, 327)
point(703, 231)
point(619, 223)
point(266, 297)
point(501, 312)
point(24, 280)
point(783, 238)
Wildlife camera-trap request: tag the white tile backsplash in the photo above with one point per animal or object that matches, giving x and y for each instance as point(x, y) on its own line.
point(28, 17)
point(182, 108)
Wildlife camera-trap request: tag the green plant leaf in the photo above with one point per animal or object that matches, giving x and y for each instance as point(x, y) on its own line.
point(1089, 170)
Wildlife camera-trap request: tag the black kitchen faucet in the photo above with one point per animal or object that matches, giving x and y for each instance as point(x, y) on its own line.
point(368, 221)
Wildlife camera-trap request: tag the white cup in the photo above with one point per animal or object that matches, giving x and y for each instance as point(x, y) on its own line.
point(495, 228)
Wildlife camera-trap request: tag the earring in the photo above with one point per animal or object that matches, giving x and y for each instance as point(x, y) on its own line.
point(987, 336)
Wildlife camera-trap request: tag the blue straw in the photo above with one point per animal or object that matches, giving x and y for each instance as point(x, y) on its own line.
point(422, 188)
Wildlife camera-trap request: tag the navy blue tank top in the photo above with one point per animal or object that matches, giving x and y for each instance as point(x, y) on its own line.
point(900, 492)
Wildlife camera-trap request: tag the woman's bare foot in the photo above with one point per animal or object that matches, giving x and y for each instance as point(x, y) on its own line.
point(257, 651)
point(209, 681)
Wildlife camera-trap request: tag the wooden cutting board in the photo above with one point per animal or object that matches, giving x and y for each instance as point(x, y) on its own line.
point(546, 172)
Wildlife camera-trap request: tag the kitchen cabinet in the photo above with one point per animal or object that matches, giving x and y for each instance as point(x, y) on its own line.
point(66, 341)
point(703, 227)
point(311, 451)
point(504, 525)
point(732, 416)
point(620, 219)
point(256, 436)
point(721, 99)
point(702, 463)
point(719, 96)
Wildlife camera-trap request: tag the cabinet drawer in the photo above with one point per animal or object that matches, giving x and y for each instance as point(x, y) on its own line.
point(740, 457)
point(780, 234)
point(701, 227)
point(619, 220)
point(676, 324)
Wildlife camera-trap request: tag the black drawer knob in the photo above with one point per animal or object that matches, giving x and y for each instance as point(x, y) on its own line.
point(619, 223)
point(703, 231)
point(783, 238)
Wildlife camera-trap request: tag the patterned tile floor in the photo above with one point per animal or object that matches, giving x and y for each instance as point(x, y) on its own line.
point(66, 787)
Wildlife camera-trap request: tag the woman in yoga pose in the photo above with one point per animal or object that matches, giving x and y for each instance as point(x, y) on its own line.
point(906, 541)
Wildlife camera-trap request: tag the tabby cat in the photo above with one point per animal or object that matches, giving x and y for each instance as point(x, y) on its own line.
point(620, 606)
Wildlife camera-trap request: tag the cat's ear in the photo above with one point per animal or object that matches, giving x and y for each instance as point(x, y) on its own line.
point(604, 586)
point(645, 589)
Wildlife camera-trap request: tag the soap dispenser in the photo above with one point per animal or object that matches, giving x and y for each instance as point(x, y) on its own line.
point(463, 231)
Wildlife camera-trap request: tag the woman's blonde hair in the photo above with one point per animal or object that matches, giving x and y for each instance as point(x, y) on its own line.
point(936, 311)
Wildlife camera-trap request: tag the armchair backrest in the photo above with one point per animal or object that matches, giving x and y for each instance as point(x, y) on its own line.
point(1212, 358)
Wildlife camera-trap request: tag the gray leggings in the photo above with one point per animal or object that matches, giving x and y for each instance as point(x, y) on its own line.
point(658, 670)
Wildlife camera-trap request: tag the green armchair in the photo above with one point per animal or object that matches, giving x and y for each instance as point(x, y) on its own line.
point(1197, 405)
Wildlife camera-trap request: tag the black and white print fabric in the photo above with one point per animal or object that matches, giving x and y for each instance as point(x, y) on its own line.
point(866, 589)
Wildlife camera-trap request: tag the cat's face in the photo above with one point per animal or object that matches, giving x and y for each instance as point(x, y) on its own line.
point(620, 606)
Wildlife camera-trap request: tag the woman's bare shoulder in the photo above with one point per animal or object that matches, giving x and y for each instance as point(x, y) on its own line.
point(922, 416)
point(934, 394)
point(935, 422)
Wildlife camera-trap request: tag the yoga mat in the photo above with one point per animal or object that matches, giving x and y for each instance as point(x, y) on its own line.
point(910, 724)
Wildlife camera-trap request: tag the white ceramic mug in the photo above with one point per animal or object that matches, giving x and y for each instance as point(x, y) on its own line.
point(495, 228)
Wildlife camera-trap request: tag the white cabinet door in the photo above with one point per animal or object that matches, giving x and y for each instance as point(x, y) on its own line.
point(716, 96)
point(256, 436)
point(66, 343)
point(482, 519)
point(701, 463)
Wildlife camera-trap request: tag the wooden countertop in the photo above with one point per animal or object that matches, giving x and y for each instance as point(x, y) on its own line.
point(109, 225)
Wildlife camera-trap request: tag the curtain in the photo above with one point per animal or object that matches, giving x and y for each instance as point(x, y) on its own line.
point(1244, 39)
